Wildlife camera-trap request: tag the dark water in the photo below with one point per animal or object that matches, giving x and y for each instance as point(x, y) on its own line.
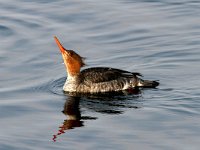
point(159, 38)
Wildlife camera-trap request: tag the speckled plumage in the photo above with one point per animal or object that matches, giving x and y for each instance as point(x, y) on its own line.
point(102, 79)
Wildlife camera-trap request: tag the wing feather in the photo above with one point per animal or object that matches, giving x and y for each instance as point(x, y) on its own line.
point(105, 74)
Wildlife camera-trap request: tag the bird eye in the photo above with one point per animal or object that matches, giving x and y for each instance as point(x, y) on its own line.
point(71, 53)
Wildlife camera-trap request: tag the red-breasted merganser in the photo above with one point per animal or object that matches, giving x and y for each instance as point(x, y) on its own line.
point(97, 79)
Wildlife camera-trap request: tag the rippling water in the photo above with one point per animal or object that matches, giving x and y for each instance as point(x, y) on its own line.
point(159, 38)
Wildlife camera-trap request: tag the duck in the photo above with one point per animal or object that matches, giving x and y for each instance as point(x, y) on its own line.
point(98, 79)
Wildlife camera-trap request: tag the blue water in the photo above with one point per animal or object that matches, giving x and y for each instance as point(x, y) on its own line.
point(158, 38)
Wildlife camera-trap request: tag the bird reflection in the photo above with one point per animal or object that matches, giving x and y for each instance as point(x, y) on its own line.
point(72, 112)
point(108, 103)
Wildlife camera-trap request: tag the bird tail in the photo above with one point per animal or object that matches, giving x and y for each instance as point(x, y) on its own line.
point(147, 83)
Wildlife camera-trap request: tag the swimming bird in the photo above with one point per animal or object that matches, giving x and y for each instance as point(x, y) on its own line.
point(98, 79)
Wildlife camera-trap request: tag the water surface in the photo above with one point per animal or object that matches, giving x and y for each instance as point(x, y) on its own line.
point(158, 38)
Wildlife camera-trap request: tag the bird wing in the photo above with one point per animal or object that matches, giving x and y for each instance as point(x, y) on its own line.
point(105, 74)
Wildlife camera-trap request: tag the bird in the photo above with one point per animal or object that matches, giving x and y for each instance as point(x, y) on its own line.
point(97, 80)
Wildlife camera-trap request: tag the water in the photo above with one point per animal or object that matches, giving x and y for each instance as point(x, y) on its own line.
point(158, 38)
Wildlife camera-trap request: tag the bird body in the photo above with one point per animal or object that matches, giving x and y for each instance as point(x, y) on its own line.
point(98, 79)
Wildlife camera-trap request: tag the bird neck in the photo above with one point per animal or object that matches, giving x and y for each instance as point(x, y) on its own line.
point(73, 69)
